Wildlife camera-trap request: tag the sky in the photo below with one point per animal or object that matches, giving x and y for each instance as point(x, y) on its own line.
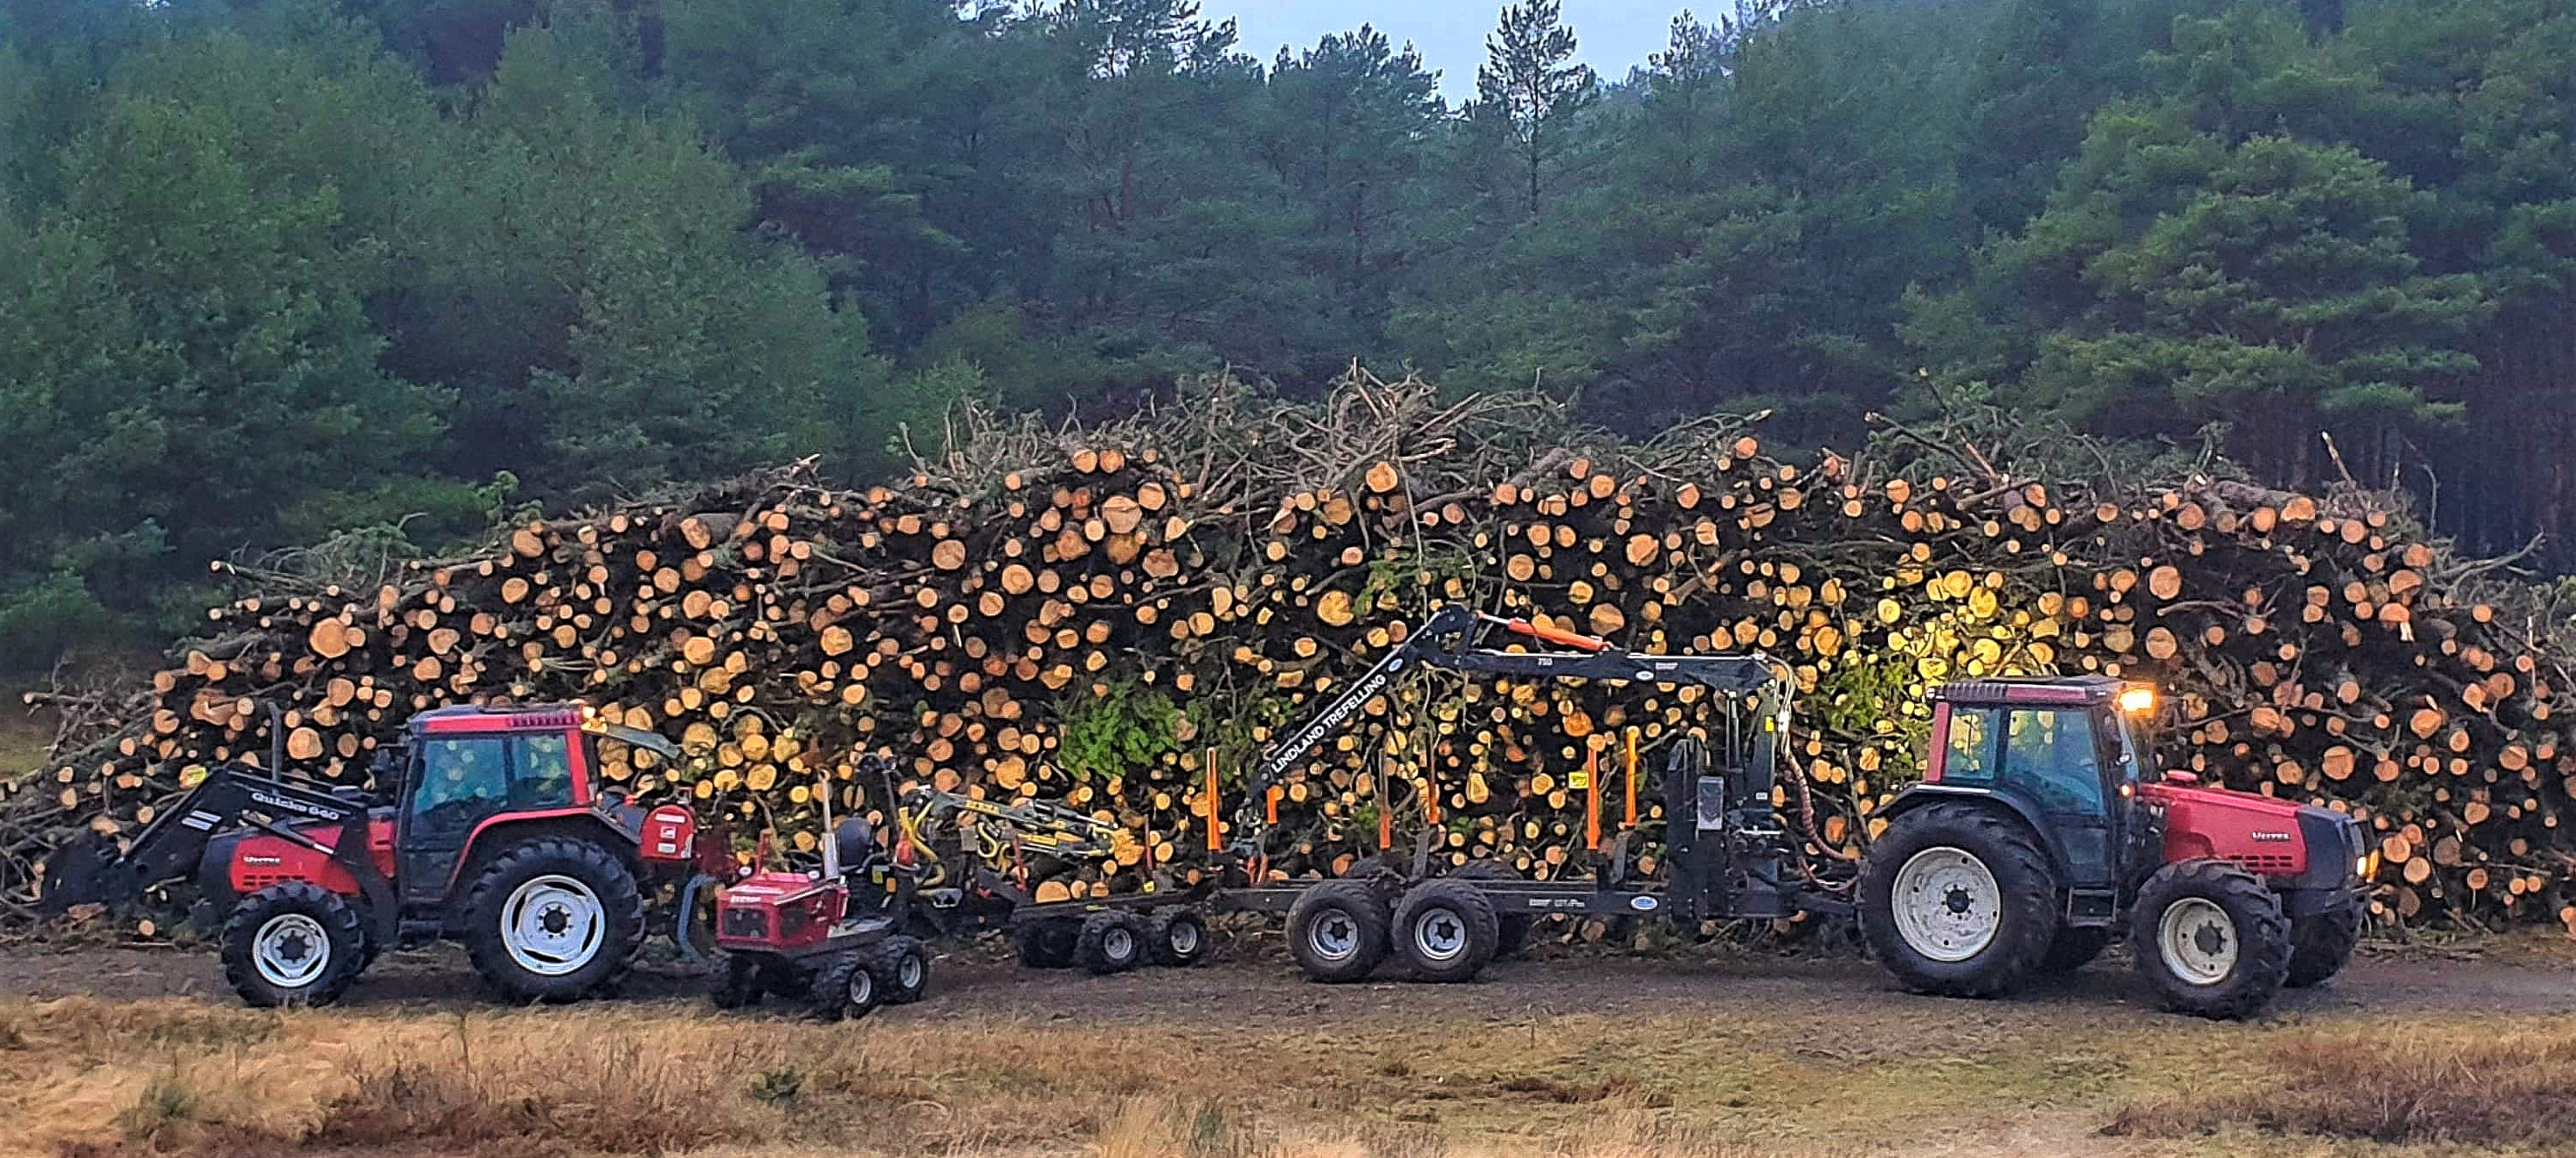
point(1615, 34)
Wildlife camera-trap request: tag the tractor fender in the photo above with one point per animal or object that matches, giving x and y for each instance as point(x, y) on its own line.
point(499, 832)
point(2012, 804)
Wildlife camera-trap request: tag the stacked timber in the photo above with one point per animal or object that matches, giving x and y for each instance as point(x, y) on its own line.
point(1091, 614)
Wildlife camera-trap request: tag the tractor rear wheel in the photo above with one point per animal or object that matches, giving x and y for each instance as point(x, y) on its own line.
point(738, 983)
point(1958, 900)
point(1337, 930)
point(843, 987)
point(902, 967)
point(2211, 939)
point(1512, 929)
point(2073, 949)
point(1046, 944)
point(295, 943)
point(553, 919)
point(2320, 943)
point(1178, 939)
point(1111, 942)
point(1446, 930)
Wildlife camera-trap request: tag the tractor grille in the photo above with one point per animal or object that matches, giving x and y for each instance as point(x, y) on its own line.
point(2268, 864)
point(746, 922)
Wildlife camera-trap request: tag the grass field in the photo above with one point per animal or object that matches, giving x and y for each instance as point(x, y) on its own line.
point(95, 1076)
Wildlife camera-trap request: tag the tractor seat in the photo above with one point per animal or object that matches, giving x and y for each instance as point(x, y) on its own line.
point(856, 841)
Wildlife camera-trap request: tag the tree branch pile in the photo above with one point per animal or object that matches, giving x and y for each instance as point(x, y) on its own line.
point(1082, 612)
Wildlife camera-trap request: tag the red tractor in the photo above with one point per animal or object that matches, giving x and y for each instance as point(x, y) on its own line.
point(499, 833)
point(2042, 831)
point(833, 939)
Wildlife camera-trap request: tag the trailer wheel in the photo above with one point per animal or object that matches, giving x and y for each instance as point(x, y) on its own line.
point(2073, 949)
point(1446, 930)
point(1958, 901)
point(902, 968)
point(844, 987)
point(1111, 942)
point(2321, 943)
point(2211, 939)
point(1045, 944)
point(554, 919)
point(1513, 929)
point(1178, 939)
point(295, 943)
point(1337, 930)
point(738, 983)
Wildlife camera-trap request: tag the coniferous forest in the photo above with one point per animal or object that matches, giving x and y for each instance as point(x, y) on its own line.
point(278, 270)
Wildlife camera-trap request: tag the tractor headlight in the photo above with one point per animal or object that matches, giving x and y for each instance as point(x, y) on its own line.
point(2137, 701)
point(2368, 867)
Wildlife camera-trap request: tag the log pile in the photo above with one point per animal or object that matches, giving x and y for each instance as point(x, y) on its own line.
point(1086, 614)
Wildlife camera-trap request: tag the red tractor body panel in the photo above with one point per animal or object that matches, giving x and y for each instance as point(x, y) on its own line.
point(778, 912)
point(261, 859)
point(2258, 832)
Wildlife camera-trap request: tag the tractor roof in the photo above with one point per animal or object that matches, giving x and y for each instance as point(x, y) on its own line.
point(500, 718)
point(2068, 690)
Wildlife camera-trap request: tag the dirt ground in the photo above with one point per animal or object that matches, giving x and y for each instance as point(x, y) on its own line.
point(1585, 1057)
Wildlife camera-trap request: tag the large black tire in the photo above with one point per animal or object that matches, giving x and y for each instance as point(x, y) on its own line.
point(2211, 939)
point(902, 968)
point(2321, 943)
point(553, 919)
point(295, 943)
point(1513, 929)
point(1046, 944)
point(1337, 930)
point(1981, 897)
point(843, 987)
point(1177, 939)
point(2072, 949)
point(1445, 930)
point(737, 983)
point(1111, 942)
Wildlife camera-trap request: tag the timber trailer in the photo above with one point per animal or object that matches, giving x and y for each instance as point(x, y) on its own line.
point(493, 829)
point(2041, 832)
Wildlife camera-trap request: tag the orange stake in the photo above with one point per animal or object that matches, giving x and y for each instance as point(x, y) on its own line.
point(1214, 843)
point(1629, 783)
point(1430, 803)
point(1592, 798)
point(1270, 808)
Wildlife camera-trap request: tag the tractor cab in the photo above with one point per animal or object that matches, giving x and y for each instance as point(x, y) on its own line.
point(2068, 755)
point(470, 767)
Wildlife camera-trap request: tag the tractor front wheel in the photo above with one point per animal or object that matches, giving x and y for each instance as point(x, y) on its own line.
point(2321, 943)
point(553, 919)
point(738, 983)
point(1337, 930)
point(1959, 901)
point(843, 987)
point(2211, 939)
point(295, 943)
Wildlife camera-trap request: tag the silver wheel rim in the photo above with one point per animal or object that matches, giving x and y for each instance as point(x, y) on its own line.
point(862, 990)
point(2198, 940)
point(1118, 944)
point(291, 951)
point(1439, 934)
point(1184, 937)
point(553, 925)
point(1946, 904)
point(1335, 935)
point(907, 973)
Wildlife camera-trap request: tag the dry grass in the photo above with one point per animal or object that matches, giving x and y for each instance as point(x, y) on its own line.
point(2480, 1084)
point(91, 1078)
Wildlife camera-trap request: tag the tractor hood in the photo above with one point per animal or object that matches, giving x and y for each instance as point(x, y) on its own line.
point(2293, 845)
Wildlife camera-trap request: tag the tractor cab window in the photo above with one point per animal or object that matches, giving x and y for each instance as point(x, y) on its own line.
point(2052, 754)
point(1969, 757)
point(543, 777)
point(461, 781)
